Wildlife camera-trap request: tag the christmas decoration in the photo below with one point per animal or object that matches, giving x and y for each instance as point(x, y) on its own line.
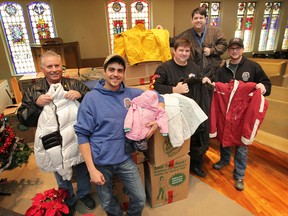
point(13, 153)
point(50, 203)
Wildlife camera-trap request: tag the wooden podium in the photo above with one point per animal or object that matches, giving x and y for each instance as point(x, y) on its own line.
point(70, 52)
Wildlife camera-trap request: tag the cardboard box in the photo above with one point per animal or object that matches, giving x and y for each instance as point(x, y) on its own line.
point(160, 149)
point(167, 183)
point(139, 74)
point(119, 190)
point(27, 134)
point(88, 74)
point(71, 73)
point(142, 87)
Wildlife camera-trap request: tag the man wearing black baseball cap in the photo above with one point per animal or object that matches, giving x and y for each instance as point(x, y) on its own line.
point(239, 67)
point(236, 41)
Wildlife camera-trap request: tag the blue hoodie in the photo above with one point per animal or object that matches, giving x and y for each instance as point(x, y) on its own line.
point(100, 122)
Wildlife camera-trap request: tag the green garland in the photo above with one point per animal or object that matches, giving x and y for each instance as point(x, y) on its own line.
point(13, 153)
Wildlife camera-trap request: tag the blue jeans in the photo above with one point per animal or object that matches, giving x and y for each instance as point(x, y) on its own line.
point(128, 173)
point(240, 159)
point(83, 183)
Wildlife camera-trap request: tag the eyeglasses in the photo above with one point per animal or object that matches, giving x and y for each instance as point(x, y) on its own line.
point(233, 49)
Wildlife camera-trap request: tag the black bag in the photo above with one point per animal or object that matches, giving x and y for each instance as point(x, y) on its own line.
point(51, 140)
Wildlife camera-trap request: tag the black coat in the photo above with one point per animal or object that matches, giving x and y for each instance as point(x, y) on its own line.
point(29, 112)
point(202, 95)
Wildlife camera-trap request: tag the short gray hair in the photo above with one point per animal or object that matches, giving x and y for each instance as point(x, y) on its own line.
point(48, 53)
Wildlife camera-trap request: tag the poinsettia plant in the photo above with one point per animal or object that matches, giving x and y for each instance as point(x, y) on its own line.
point(13, 152)
point(49, 203)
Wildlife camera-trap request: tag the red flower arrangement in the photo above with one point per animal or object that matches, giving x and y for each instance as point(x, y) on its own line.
point(50, 203)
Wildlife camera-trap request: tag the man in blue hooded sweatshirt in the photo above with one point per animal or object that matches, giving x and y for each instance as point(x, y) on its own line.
point(101, 138)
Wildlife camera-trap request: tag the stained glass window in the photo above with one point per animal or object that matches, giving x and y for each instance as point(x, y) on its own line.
point(285, 39)
point(213, 13)
point(140, 13)
point(117, 20)
point(41, 20)
point(17, 38)
point(265, 26)
point(272, 33)
point(206, 6)
point(245, 23)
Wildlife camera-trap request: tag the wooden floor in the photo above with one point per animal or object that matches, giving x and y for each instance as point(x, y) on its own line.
point(266, 180)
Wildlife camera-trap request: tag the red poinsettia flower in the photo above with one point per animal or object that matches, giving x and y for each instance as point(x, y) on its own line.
point(55, 208)
point(50, 203)
point(35, 210)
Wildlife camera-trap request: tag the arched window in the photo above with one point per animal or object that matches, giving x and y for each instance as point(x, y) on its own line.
point(41, 20)
point(213, 13)
point(17, 38)
point(140, 13)
point(117, 19)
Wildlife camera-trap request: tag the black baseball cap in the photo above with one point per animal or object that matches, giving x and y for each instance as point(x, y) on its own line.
point(236, 41)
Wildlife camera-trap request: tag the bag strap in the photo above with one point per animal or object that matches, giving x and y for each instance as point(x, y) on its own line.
point(57, 119)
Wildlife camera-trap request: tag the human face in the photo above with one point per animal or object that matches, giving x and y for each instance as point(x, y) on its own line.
point(182, 54)
point(198, 22)
point(114, 75)
point(235, 53)
point(52, 69)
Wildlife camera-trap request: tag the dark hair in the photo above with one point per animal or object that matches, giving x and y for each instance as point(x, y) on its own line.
point(182, 42)
point(200, 10)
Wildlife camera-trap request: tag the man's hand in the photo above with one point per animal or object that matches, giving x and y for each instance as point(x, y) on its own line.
point(181, 88)
point(97, 177)
point(72, 95)
point(206, 51)
point(43, 100)
point(153, 127)
point(206, 80)
point(261, 87)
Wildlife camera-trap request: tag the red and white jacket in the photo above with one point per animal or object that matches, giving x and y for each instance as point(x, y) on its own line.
point(237, 111)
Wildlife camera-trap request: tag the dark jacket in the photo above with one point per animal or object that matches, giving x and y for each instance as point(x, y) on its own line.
point(213, 39)
point(169, 73)
point(29, 112)
point(246, 71)
point(202, 95)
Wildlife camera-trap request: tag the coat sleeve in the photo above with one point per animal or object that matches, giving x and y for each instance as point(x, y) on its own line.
point(254, 117)
point(159, 80)
point(119, 47)
point(220, 44)
point(162, 120)
point(29, 112)
point(213, 120)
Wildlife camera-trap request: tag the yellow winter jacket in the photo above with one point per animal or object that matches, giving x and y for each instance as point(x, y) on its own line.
point(142, 45)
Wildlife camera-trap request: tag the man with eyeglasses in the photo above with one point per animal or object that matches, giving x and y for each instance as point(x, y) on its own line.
point(239, 67)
